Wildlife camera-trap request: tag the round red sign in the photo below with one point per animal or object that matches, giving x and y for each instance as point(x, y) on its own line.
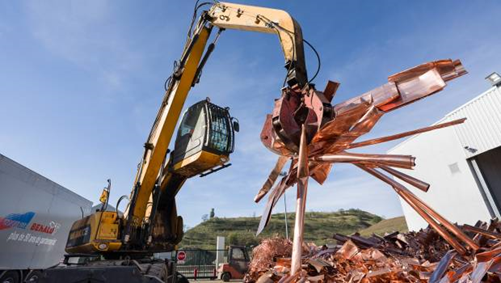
point(181, 255)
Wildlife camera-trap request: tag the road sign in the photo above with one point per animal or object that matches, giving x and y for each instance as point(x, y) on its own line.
point(181, 256)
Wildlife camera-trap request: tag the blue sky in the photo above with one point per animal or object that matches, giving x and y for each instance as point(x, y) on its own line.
point(81, 82)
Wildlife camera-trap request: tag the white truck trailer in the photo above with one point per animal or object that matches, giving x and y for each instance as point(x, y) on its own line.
point(36, 215)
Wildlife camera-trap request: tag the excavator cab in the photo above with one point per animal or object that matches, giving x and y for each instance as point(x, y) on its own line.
point(205, 140)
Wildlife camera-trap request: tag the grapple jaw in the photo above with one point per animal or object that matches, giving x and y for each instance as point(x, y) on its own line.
point(282, 129)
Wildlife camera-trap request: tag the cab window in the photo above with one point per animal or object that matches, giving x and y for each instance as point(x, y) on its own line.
point(238, 254)
point(190, 120)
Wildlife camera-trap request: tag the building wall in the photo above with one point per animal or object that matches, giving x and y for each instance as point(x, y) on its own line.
point(442, 161)
point(482, 130)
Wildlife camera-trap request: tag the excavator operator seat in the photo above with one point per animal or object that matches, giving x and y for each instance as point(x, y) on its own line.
point(205, 139)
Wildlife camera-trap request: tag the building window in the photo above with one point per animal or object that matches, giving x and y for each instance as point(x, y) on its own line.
point(454, 168)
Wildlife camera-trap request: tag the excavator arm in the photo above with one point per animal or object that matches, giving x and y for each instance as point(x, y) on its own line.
point(150, 222)
point(266, 20)
point(223, 16)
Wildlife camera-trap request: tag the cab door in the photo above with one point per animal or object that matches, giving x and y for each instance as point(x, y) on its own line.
point(191, 133)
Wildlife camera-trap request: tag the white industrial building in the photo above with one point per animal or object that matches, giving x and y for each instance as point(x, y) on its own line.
point(461, 163)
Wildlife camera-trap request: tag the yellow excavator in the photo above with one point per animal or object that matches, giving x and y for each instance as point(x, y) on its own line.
point(121, 245)
point(204, 142)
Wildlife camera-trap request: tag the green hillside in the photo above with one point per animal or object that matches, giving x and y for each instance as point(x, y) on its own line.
point(319, 228)
point(386, 225)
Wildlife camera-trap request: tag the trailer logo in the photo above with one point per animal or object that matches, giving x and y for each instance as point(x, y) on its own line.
point(16, 220)
point(21, 221)
point(47, 229)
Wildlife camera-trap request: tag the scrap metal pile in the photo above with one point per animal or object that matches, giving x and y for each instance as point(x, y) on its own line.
point(306, 130)
point(421, 256)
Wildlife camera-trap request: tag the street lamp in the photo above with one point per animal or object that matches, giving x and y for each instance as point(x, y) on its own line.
point(494, 79)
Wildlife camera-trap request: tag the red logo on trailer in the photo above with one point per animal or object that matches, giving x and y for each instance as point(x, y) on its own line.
point(181, 256)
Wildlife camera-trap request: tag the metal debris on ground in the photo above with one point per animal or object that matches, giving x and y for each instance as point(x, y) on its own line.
point(422, 256)
point(265, 255)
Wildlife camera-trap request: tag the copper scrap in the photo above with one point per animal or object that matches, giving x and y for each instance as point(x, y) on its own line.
point(400, 161)
point(407, 134)
point(331, 130)
point(431, 216)
point(423, 186)
point(265, 255)
point(421, 256)
point(302, 192)
point(272, 178)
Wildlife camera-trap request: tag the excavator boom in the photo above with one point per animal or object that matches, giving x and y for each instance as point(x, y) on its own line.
point(223, 16)
point(150, 222)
